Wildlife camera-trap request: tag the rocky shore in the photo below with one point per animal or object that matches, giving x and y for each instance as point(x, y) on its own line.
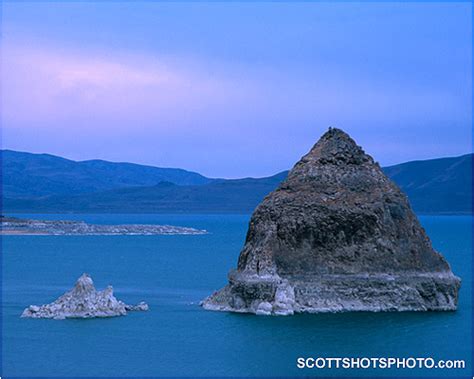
point(12, 225)
point(337, 235)
point(83, 301)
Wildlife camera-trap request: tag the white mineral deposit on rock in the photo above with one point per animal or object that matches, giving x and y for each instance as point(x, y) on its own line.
point(83, 301)
point(336, 235)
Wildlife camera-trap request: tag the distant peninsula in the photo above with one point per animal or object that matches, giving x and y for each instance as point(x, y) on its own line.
point(19, 226)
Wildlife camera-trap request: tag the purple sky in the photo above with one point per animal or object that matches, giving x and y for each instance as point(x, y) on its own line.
point(232, 89)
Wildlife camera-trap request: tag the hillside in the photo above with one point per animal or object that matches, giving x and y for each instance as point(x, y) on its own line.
point(27, 175)
point(436, 186)
point(241, 195)
point(441, 185)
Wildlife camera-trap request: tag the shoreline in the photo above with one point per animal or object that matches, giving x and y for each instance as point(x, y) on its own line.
point(18, 226)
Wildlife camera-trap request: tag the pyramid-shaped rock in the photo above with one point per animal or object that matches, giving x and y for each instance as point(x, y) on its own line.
point(336, 235)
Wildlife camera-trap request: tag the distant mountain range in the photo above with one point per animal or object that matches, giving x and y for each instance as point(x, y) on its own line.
point(47, 183)
point(441, 185)
point(27, 175)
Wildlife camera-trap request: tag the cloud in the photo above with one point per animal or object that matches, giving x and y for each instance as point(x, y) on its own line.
point(47, 85)
point(191, 112)
point(43, 85)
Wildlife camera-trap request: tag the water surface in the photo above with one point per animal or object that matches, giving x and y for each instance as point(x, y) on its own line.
point(178, 338)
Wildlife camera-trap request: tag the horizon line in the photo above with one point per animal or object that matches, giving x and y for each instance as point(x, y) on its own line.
point(208, 177)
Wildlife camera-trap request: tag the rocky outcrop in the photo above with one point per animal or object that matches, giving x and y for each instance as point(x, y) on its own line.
point(83, 301)
point(336, 235)
point(13, 225)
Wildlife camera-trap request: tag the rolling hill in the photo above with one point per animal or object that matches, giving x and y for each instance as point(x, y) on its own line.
point(240, 196)
point(436, 186)
point(27, 175)
point(441, 185)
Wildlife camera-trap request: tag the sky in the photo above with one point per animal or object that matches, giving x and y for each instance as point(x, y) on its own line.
point(235, 89)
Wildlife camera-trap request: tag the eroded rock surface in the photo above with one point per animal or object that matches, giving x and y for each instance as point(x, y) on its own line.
point(336, 235)
point(83, 301)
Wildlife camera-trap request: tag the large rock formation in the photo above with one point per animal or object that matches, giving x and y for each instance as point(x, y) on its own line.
point(83, 301)
point(336, 235)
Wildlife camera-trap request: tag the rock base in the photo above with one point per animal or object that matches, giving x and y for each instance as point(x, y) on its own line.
point(272, 295)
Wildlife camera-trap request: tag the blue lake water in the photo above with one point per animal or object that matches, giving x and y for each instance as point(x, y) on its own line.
point(178, 338)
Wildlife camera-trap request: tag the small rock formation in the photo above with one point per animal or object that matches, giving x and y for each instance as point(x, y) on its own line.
point(13, 225)
point(83, 301)
point(336, 235)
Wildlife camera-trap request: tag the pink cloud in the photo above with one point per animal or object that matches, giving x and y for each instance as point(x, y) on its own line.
point(50, 85)
point(133, 107)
